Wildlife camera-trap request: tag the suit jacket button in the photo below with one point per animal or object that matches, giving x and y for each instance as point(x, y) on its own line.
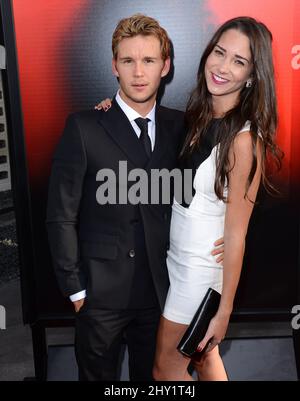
point(131, 253)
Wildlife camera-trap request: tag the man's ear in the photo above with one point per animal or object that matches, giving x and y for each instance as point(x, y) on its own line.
point(166, 67)
point(114, 67)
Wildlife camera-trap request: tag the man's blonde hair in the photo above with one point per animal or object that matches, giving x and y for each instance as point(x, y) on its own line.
point(139, 24)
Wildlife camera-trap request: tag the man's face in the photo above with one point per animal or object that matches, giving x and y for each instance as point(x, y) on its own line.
point(139, 67)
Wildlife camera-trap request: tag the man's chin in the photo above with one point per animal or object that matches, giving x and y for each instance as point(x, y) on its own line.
point(142, 99)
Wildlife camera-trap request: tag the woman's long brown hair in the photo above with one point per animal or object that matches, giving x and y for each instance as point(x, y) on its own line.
point(256, 104)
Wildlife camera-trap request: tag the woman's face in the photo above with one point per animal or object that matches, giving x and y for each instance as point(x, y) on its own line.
point(228, 67)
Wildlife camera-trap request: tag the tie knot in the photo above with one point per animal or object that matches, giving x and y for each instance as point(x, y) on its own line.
point(142, 123)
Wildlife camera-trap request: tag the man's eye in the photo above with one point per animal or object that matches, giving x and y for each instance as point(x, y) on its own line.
point(127, 61)
point(149, 61)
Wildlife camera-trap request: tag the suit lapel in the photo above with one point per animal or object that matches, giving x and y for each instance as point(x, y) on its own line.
point(117, 125)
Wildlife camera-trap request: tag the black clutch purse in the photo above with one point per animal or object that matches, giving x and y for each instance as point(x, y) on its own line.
point(199, 325)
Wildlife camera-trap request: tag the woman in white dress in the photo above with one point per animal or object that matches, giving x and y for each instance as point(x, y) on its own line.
point(232, 119)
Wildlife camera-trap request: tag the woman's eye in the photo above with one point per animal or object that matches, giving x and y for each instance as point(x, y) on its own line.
point(218, 52)
point(239, 62)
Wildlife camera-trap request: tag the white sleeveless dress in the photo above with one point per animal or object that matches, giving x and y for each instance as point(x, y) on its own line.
point(194, 229)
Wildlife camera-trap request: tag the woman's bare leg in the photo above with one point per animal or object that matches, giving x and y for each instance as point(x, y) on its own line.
point(211, 367)
point(169, 363)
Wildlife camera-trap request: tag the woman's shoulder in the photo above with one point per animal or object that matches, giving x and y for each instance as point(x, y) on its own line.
point(247, 128)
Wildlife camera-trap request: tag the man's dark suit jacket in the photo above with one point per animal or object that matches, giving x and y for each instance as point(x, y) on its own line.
point(93, 245)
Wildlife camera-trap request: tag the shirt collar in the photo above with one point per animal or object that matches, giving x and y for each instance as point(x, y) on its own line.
point(131, 114)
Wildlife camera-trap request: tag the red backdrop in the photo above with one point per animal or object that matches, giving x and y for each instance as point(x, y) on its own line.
point(41, 27)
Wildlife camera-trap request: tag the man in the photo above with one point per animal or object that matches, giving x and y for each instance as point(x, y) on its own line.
point(110, 259)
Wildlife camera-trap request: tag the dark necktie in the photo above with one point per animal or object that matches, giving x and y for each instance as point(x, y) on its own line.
point(142, 123)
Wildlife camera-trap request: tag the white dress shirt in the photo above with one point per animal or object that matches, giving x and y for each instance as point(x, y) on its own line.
point(131, 114)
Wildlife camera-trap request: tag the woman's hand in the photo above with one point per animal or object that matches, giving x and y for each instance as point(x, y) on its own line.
point(219, 250)
point(216, 332)
point(104, 105)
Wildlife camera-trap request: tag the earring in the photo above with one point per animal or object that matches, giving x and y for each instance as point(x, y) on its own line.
point(248, 83)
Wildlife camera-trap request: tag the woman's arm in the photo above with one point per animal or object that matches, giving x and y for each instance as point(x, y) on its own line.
point(238, 212)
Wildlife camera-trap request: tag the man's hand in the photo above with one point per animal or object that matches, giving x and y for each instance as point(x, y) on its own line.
point(219, 250)
point(78, 305)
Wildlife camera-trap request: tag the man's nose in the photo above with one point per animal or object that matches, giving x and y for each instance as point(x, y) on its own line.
point(138, 69)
